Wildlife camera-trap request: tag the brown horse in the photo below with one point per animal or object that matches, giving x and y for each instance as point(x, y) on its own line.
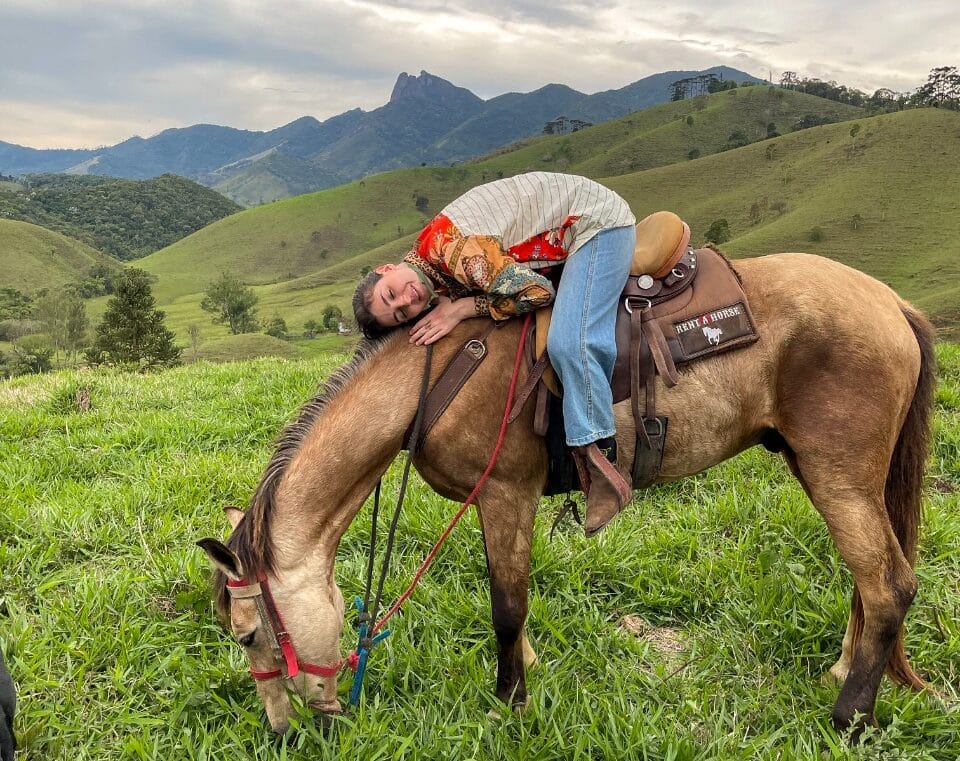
point(841, 382)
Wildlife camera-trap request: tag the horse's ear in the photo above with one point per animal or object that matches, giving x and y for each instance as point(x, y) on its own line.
point(223, 558)
point(234, 515)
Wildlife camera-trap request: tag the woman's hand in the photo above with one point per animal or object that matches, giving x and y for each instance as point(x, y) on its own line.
point(440, 320)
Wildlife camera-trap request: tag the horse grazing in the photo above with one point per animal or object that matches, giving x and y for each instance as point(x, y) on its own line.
point(840, 382)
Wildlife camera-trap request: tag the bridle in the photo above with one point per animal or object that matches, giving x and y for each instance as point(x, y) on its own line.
point(270, 617)
point(280, 641)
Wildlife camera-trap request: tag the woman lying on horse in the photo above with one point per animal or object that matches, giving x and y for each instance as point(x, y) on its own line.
point(492, 244)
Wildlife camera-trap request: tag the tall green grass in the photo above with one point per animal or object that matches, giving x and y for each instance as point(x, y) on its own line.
point(106, 621)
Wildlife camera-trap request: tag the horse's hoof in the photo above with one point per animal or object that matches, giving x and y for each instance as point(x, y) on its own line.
point(518, 708)
point(837, 674)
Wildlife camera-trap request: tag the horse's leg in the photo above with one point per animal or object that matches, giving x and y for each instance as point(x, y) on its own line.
point(507, 526)
point(851, 501)
point(841, 668)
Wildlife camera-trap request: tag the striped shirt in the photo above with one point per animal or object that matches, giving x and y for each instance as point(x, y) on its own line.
point(492, 238)
point(526, 207)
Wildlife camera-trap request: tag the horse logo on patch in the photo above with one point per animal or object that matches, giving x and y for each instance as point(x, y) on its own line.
point(713, 335)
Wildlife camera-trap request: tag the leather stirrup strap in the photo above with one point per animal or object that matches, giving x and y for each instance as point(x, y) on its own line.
point(659, 349)
point(650, 430)
point(536, 372)
point(639, 358)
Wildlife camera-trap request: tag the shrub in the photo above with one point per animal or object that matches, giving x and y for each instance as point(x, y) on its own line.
point(719, 231)
point(32, 354)
point(276, 327)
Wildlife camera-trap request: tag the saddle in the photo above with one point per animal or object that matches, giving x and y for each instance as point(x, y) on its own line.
point(679, 305)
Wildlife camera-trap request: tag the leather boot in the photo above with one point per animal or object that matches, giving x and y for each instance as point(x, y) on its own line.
point(606, 489)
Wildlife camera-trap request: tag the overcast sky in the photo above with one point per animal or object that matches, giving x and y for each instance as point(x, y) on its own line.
point(87, 73)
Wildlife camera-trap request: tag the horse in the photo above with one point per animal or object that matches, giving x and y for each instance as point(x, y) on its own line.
point(799, 390)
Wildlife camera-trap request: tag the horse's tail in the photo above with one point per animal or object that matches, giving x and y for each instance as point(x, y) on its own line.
point(902, 492)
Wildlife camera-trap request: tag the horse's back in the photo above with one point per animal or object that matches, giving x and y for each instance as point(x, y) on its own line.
point(829, 335)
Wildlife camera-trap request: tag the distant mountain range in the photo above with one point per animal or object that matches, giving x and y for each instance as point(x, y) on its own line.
point(428, 120)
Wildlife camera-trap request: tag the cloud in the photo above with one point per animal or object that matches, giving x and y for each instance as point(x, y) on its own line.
point(83, 74)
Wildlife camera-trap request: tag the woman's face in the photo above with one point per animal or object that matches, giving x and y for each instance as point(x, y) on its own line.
point(398, 296)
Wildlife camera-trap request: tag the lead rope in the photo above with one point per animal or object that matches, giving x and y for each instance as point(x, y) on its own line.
point(366, 642)
point(368, 613)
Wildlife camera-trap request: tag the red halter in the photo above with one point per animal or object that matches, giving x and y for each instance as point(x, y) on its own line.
point(259, 592)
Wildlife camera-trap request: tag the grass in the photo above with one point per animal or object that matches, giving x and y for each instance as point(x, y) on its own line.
point(665, 134)
point(108, 629)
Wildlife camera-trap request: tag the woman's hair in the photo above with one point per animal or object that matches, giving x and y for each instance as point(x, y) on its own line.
point(361, 307)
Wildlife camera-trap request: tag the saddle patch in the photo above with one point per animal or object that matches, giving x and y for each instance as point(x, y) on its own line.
point(709, 331)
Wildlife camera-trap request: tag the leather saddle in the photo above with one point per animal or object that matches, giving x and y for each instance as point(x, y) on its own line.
point(678, 305)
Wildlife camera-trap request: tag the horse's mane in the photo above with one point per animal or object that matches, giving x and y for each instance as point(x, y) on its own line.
point(251, 540)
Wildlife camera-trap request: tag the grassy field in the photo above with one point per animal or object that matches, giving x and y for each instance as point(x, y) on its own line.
point(32, 257)
point(108, 629)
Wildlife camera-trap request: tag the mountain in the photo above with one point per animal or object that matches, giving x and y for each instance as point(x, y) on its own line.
point(427, 120)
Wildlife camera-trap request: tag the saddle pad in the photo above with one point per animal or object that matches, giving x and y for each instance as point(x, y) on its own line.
point(709, 317)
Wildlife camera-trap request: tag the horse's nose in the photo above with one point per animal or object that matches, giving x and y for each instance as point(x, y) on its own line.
point(327, 711)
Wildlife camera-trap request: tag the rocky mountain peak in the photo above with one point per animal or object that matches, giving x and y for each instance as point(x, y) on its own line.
point(427, 87)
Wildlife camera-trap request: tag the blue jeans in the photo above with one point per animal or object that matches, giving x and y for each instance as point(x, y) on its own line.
point(582, 343)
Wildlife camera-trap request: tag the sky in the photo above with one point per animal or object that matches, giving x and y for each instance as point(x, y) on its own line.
point(87, 73)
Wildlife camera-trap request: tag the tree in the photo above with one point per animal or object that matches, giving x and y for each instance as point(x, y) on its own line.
point(64, 318)
point(231, 302)
point(942, 88)
point(719, 231)
point(790, 80)
point(736, 139)
point(132, 330)
point(758, 210)
point(311, 328)
point(14, 304)
point(195, 333)
point(331, 317)
point(276, 327)
point(32, 354)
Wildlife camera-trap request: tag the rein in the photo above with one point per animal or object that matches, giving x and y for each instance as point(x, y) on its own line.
point(370, 633)
point(366, 641)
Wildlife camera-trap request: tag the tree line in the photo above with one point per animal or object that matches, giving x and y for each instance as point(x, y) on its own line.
point(52, 325)
point(126, 219)
point(941, 90)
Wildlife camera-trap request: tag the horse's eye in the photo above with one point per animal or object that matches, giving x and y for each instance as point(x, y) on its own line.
point(247, 639)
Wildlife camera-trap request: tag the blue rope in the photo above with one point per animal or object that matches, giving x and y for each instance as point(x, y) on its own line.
point(364, 646)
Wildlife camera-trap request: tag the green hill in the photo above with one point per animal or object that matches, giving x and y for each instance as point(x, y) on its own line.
point(878, 193)
point(32, 257)
point(309, 234)
point(303, 235)
point(126, 219)
point(673, 132)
